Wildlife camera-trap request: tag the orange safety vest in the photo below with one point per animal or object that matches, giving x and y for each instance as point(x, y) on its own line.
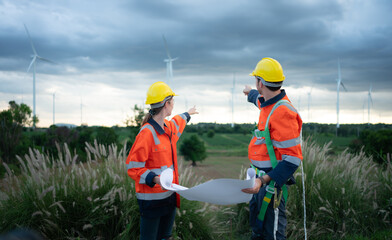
point(155, 152)
point(285, 130)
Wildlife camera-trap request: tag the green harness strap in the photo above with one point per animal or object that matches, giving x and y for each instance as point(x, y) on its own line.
point(271, 186)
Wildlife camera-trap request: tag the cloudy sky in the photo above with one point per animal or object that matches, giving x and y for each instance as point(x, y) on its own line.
point(107, 53)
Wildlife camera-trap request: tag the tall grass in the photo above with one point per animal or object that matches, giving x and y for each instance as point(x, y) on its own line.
point(63, 199)
point(345, 194)
point(347, 197)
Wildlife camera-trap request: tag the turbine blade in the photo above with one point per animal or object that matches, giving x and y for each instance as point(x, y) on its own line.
point(174, 59)
point(31, 64)
point(371, 100)
point(341, 83)
point(31, 42)
point(45, 59)
point(167, 49)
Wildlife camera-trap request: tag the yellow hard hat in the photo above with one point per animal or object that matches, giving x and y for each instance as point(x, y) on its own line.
point(269, 69)
point(158, 92)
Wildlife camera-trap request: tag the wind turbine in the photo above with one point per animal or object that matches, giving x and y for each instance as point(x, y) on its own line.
point(169, 63)
point(232, 101)
point(54, 96)
point(369, 100)
point(339, 83)
point(81, 111)
point(310, 92)
point(32, 64)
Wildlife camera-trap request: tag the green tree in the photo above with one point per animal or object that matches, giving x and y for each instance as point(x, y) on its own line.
point(193, 149)
point(137, 118)
point(210, 133)
point(377, 143)
point(106, 135)
point(12, 122)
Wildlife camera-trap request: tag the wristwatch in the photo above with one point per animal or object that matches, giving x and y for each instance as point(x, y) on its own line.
point(262, 181)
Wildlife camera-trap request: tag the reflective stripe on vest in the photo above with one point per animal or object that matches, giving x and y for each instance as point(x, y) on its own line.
point(177, 127)
point(175, 124)
point(262, 163)
point(294, 160)
point(157, 171)
point(154, 133)
point(183, 116)
point(153, 196)
point(283, 144)
point(136, 165)
point(288, 143)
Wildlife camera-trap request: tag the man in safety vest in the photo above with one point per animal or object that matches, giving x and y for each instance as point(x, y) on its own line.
point(274, 151)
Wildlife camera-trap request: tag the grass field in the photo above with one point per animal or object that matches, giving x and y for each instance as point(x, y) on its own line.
point(341, 192)
point(228, 153)
point(227, 156)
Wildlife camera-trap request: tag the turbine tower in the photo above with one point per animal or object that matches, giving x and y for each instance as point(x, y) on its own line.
point(81, 111)
point(339, 83)
point(35, 56)
point(370, 100)
point(54, 96)
point(169, 63)
point(232, 102)
point(310, 92)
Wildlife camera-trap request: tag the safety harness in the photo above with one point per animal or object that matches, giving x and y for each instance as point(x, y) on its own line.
point(270, 188)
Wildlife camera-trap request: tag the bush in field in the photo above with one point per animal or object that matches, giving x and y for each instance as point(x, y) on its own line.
point(193, 149)
point(210, 133)
point(64, 199)
point(12, 121)
point(377, 143)
point(106, 135)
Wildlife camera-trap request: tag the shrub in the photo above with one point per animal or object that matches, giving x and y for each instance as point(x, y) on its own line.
point(193, 149)
point(106, 136)
point(64, 199)
point(210, 133)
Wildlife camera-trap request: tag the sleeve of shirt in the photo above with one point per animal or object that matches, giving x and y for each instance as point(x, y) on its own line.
point(178, 123)
point(136, 160)
point(286, 137)
point(253, 97)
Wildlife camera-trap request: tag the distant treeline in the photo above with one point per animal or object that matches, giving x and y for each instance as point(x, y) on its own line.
point(375, 139)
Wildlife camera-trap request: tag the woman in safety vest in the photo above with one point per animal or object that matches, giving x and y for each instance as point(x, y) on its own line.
point(154, 150)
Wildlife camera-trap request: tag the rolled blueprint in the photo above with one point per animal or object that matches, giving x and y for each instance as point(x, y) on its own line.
point(221, 191)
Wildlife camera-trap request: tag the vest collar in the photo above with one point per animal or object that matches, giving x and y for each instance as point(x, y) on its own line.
point(156, 126)
point(273, 100)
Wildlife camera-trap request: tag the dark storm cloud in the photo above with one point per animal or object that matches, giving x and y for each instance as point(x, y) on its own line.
point(210, 38)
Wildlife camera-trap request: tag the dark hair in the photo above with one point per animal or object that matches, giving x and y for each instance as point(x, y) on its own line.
point(154, 111)
point(274, 88)
point(271, 88)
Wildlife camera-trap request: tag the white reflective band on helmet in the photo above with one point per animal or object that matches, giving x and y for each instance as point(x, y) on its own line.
point(153, 196)
point(262, 164)
point(136, 165)
point(269, 84)
point(154, 133)
point(160, 104)
point(294, 160)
